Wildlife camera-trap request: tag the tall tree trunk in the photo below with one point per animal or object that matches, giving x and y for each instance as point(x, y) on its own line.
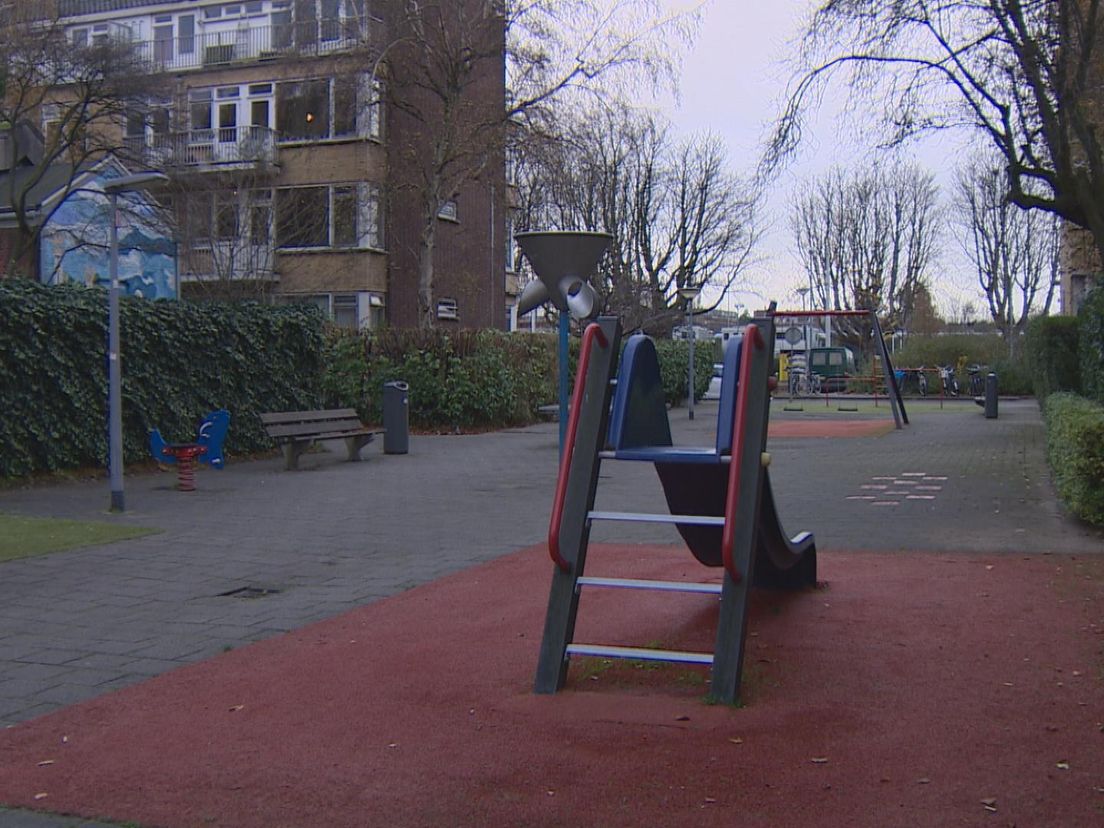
point(426, 316)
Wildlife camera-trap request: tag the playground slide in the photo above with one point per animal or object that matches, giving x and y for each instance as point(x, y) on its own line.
point(781, 562)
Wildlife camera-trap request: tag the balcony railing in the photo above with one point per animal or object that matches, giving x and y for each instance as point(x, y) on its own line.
point(216, 48)
point(242, 147)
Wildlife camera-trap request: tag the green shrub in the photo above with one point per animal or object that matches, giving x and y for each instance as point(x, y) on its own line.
point(1013, 377)
point(466, 379)
point(1052, 355)
point(1091, 329)
point(179, 360)
point(1075, 447)
point(929, 351)
point(674, 369)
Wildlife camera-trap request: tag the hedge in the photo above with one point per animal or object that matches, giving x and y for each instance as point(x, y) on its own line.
point(1075, 448)
point(1091, 328)
point(180, 360)
point(472, 379)
point(469, 379)
point(1052, 354)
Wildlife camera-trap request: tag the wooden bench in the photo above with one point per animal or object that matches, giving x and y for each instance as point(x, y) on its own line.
point(296, 431)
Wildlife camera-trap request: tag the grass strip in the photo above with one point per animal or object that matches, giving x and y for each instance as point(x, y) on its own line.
point(25, 537)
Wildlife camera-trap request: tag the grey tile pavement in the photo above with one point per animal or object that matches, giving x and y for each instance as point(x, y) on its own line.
point(337, 535)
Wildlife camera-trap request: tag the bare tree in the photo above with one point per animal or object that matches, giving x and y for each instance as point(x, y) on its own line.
point(678, 217)
point(225, 238)
point(1026, 74)
point(1014, 251)
point(446, 52)
point(866, 240)
point(76, 91)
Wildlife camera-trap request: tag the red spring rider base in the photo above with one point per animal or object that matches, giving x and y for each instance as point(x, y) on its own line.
point(185, 454)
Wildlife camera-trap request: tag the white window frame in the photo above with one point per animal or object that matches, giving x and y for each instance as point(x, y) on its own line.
point(369, 110)
point(368, 216)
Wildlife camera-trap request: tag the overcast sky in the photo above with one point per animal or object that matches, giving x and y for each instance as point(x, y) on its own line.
point(732, 84)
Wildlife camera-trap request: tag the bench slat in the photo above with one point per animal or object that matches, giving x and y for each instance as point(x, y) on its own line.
point(273, 418)
point(304, 429)
point(324, 435)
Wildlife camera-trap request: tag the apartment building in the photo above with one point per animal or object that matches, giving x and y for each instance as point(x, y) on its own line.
point(296, 174)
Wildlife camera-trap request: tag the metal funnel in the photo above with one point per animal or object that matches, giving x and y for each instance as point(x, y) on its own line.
point(562, 261)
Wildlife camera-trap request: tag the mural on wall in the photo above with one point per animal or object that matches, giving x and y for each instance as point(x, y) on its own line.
point(75, 246)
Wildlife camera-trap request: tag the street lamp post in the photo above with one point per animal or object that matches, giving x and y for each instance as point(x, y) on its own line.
point(126, 183)
point(690, 293)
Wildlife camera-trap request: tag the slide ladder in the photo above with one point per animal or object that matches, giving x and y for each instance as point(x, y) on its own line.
point(719, 497)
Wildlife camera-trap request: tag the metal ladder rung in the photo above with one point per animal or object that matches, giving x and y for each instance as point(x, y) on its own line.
point(663, 586)
point(725, 459)
point(644, 517)
point(639, 653)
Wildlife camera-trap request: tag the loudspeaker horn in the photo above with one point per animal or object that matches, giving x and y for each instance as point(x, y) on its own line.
point(533, 295)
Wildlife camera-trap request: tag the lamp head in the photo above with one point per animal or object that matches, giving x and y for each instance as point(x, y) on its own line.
point(562, 262)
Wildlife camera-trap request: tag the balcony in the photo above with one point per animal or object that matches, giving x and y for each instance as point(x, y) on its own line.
point(228, 46)
point(250, 148)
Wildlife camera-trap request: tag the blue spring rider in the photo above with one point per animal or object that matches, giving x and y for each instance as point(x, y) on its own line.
point(211, 434)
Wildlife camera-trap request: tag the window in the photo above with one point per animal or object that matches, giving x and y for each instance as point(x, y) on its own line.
point(448, 309)
point(51, 124)
point(345, 105)
point(226, 216)
point(282, 37)
point(79, 38)
point(448, 211)
point(355, 22)
point(313, 110)
point(185, 27)
point(260, 217)
point(509, 241)
point(198, 211)
point(303, 109)
point(199, 109)
point(343, 216)
point(345, 310)
point(306, 22)
point(163, 39)
point(330, 20)
point(377, 316)
point(303, 217)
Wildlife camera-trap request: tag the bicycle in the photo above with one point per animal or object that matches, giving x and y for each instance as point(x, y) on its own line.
point(950, 381)
point(802, 384)
point(977, 379)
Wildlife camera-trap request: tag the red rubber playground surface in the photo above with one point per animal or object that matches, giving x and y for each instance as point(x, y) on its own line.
point(920, 689)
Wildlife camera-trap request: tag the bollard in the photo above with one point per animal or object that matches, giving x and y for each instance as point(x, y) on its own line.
point(991, 396)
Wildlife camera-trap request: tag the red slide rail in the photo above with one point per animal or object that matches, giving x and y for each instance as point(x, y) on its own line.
point(593, 332)
point(753, 338)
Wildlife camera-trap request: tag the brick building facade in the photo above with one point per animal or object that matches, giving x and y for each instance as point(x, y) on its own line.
point(295, 173)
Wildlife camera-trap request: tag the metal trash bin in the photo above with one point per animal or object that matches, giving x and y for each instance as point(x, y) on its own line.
point(991, 396)
point(396, 418)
